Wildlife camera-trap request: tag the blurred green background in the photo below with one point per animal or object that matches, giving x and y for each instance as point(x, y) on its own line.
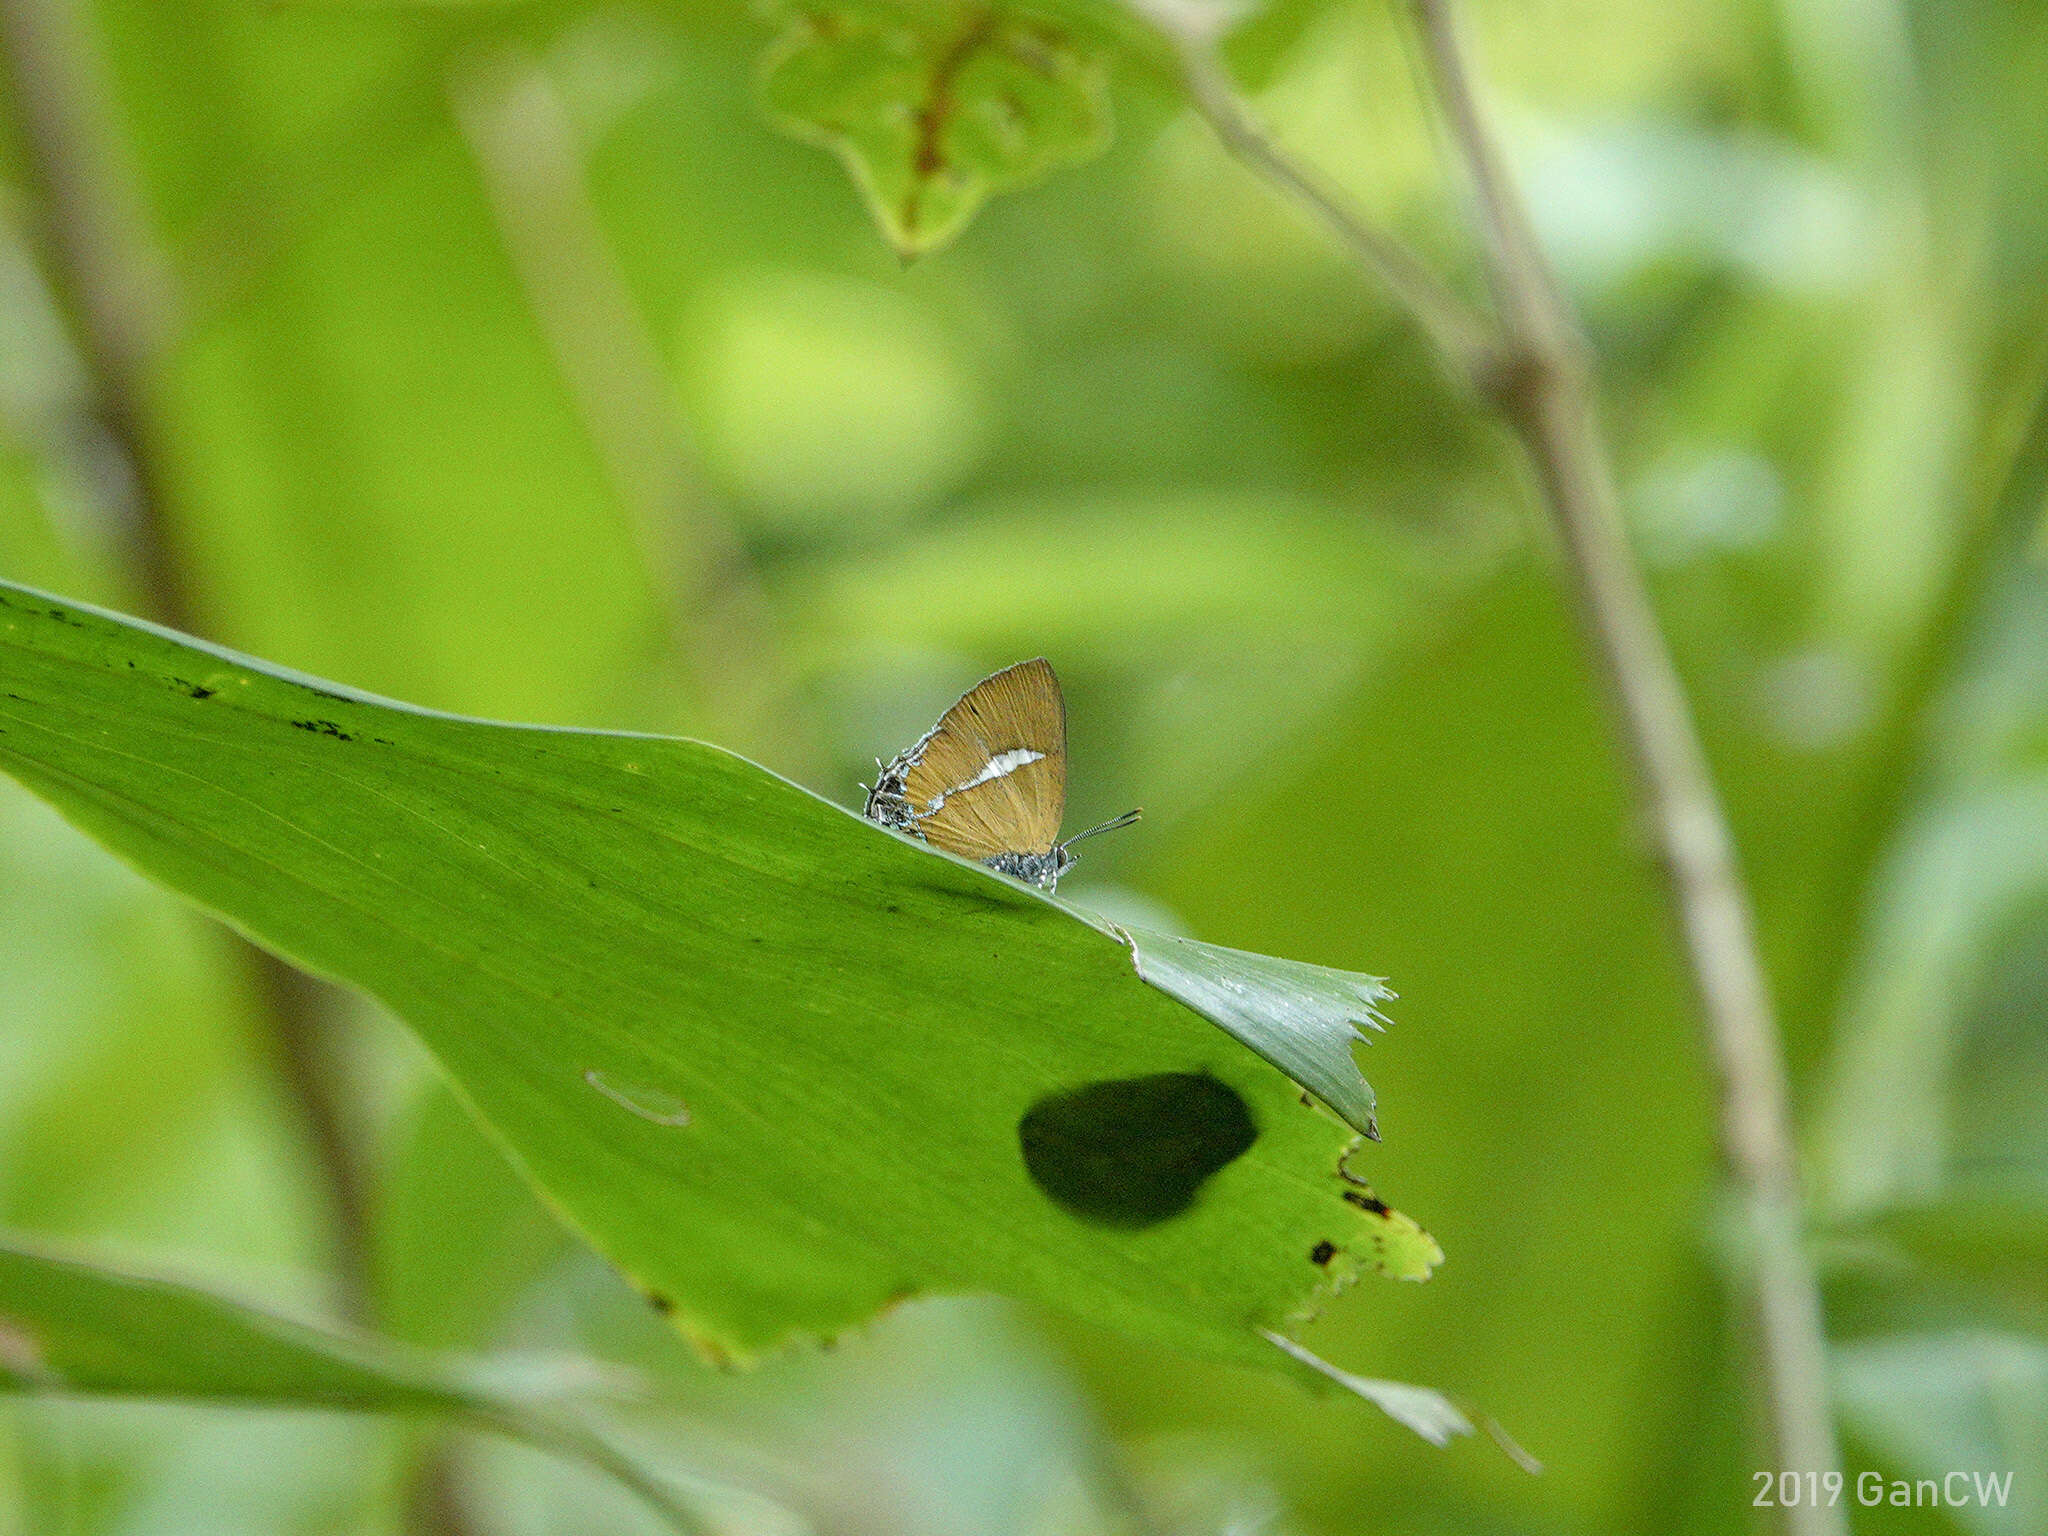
point(504, 361)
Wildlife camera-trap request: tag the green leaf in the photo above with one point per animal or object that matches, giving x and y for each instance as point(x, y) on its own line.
point(935, 106)
point(70, 1327)
point(1302, 1018)
point(781, 1066)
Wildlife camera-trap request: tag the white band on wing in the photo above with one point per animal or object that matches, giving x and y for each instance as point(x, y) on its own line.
point(994, 768)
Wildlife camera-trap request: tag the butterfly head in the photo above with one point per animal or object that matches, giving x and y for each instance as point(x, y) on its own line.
point(1040, 869)
point(1044, 869)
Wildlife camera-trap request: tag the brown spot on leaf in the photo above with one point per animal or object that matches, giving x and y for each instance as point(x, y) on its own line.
point(713, 1353)
point(935, 116)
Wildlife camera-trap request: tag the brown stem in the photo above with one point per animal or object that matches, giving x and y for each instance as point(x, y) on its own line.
point(432, 1498)
point(99, 252)
point(106, 266)
point(1546, 396)
point(296, 1013)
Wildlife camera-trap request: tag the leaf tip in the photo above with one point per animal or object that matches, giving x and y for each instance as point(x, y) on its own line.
point(1395, 1245)
point(1430, 1414)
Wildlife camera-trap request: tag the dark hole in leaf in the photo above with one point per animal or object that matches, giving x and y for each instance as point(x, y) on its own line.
point(1135, 1151)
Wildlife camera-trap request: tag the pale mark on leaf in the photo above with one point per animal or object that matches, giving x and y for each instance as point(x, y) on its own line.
point(650, 1104)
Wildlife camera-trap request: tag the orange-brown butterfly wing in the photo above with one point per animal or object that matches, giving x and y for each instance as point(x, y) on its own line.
point(992, 776)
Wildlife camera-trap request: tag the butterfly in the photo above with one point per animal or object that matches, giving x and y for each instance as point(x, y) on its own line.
point(989, 781)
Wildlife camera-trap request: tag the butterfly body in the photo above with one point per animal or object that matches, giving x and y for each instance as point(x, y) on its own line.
point(989, 781)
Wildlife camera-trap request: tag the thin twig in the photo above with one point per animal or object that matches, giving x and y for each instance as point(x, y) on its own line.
point(1459, 334)
point(1546, 396)
point(296, 1015)
point(106, 265)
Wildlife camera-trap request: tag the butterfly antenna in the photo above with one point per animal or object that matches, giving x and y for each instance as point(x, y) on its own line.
point(1108, 826)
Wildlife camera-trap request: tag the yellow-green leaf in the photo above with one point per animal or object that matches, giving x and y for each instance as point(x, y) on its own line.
point(935, 107)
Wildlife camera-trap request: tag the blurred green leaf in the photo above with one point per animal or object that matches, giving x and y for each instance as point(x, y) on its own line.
point(935, 105)
point(1963, 867)
point(1978, 1256)
point(71, 1327)
point(776, 1063)
point(1969, 1403)
point(1128, 576)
